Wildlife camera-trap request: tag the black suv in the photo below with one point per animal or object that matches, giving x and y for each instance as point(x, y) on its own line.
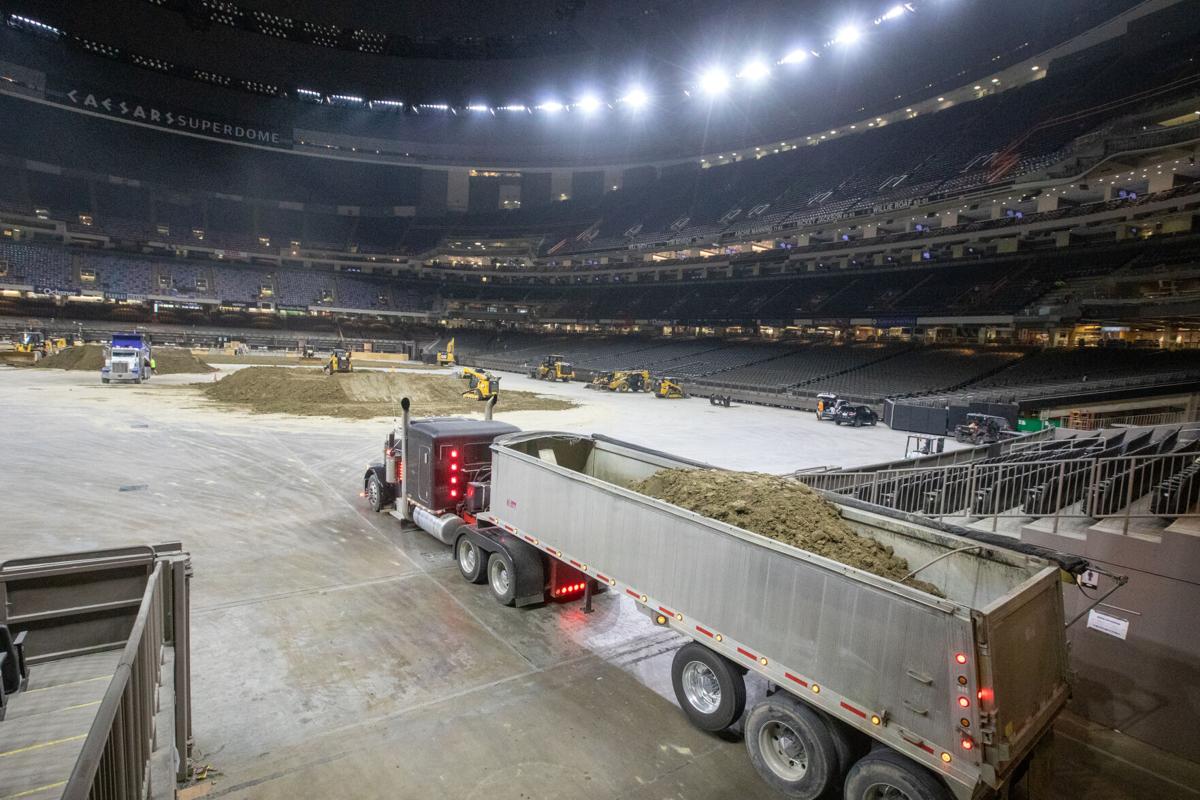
point(855, 415)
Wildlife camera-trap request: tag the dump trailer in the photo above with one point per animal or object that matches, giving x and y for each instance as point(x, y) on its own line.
point(127, 357)
point(873, 685)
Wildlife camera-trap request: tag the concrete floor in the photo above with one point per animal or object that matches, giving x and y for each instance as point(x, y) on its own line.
point(337, 655)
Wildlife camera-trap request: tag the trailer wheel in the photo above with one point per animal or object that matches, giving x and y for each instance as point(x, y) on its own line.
point(791, 748)
point(850, 744)
point(885, 773)
point(709, 688)
point(502, 577)
point(472, 562)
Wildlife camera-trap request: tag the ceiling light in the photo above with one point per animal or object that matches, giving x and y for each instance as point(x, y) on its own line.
point(551, 106)
point(893, 12)
point(755, 71)
point(636, 97)
point(588, 103)
point(794, 57)
point(713, 81)
point(847, 34)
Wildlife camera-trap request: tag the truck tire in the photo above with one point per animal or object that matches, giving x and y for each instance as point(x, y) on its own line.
point(709, 688)
point(502, 578)
point(104, 380)
point(377, 494)
point(886, 773)
point(472, 561)
point(791, 748)
point(850, 744)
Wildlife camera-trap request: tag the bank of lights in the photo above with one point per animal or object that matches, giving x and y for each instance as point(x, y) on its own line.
point(713, 81)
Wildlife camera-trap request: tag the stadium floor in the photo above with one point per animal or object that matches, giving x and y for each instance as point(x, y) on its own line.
point(335, 654)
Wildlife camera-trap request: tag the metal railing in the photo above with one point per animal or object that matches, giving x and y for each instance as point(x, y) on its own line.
point(1056, 487)
point(82, 603)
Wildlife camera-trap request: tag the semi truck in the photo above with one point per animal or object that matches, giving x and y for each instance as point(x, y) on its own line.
point(127, 357)
point(874, 686)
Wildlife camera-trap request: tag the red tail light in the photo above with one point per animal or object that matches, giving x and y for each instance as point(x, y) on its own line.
point(964, 702)
point(961, 658)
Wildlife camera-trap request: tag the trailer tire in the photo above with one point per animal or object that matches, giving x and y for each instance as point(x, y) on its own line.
point(791, 748)
point(502, 578)
point(884, 770)
point(850, 744)
point(471, 560)
point(710, 689)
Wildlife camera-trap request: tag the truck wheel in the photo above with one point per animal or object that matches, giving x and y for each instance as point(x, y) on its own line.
point(790, 747)
point(502, 577)
point(710, 689)
point(104, 380)
point(376, 495)
point(472, 562)
point(886, 773)
point(850, 744)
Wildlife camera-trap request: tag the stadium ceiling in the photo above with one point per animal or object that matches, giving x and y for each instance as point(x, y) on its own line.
point(547, 52)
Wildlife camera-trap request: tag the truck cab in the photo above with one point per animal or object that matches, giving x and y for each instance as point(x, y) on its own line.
point(127, 357)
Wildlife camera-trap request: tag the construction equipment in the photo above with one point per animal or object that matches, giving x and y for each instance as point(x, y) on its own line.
point(338, 361)
point(483, 384)
point(669, 389)
point(978, 672)
point(553, 368)
point(623, 381)
point(39, 344)
point(127, 357)
point(446, 358)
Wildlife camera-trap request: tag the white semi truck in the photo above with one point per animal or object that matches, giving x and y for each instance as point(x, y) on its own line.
point(127, 357)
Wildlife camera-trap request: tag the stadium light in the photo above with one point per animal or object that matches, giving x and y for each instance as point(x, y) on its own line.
point(794, 57)
point(479, 108)
point(895, 12)
point(755, 71)
point(636, 97)
point(713, 81)
point(550, 106)
point(588, 103)
point(847, 34)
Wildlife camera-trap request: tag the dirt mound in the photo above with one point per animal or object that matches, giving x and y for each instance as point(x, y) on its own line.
point(796, 515)
point(90, 358)
point(358, 395)
point(179, 361)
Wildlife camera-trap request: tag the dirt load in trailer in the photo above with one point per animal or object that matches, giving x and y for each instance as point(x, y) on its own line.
point(960, 688)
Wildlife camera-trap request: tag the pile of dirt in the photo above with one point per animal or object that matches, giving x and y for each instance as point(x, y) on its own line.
point(90, 358)
point(795, 515)
point(359, 395)
point(179, 361)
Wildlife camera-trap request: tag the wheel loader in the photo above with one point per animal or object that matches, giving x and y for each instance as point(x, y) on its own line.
point(553, 368)
point(623, 381)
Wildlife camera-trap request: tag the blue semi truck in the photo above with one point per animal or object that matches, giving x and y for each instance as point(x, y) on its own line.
point(127, 358)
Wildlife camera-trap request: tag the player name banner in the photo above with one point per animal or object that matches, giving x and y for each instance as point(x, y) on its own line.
point(163, 115)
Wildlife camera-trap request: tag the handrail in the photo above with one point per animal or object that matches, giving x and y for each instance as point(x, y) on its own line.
point(120, 739)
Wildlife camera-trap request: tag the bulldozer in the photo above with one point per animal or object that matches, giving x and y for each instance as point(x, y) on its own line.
point(623, 381)
point(39, 345)
point(446, 358)
point(669, 389)
point(339, 361)
point(553, 368)
point(483, 384)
